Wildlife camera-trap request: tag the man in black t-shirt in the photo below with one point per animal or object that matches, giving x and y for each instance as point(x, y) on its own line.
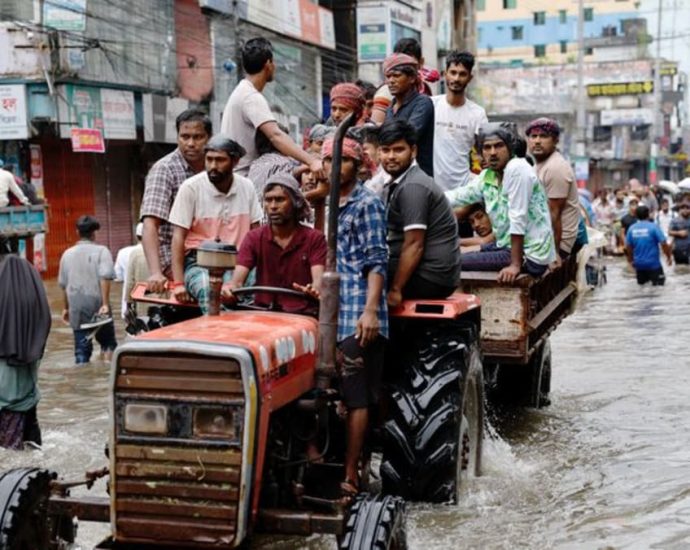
point(629, 218)
point(422, 238)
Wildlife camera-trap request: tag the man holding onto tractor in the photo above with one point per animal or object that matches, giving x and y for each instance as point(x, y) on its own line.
point(361, 260)
point(284, 252)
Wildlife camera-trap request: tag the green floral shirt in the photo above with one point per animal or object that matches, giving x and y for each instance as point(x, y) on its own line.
point(517, 206)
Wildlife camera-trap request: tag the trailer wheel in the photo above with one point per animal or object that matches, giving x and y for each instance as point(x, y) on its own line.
point(541, 377)
point(433, 437)
point(528, 385)
point(375, 523)
point(24, 520)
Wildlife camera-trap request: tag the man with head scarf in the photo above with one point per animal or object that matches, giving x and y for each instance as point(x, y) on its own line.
point(284, 252)
point(515, 200)
point(24, 326)
point(346, 98)
point(361, 261)
point(213, 205)
point(559, 180)
point(401, 72)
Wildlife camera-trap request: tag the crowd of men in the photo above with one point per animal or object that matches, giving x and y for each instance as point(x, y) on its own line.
point(409, 202)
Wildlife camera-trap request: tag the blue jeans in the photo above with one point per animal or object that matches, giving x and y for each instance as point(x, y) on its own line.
point(83, 347)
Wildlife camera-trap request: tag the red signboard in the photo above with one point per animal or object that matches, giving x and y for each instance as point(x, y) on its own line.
point(310, 21)
point(87, 140)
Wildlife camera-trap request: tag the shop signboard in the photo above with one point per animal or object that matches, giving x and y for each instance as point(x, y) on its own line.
point(118, 114)
point(626, 117)
point(13, 123)
point(372, 33)
point(310, 20)
point(65, 15)
point(620, 88)
point(87, 140)
point(327, 28)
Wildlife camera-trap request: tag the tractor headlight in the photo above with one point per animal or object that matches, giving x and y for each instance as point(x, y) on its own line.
point(214, 422)
point(146, 419)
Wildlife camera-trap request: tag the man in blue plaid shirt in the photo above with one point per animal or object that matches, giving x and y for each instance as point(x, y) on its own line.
point(362, 261)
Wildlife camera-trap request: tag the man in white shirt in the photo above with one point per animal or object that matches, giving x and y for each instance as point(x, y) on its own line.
point(7, 184)
point(456, 121)
point(122, 265)
point(247, 110)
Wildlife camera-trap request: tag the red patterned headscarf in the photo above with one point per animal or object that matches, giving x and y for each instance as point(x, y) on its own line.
point(547, 125)
point(348, 94)
point(397, 60)
point(351, 149)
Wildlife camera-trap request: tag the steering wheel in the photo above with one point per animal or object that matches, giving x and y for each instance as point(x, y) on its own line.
point(275, 291)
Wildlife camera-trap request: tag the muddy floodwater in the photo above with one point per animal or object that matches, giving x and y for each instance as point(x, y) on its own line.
point(607, 465)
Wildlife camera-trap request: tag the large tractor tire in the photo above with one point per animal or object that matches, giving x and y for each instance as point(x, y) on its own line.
point(375, 523)
point(432, 440)
point(24, 520)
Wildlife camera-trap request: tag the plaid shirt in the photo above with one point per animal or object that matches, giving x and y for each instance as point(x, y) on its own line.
point(361, 249)
point(162, 183)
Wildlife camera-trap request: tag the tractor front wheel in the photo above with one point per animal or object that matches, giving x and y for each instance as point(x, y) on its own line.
point(375, 523)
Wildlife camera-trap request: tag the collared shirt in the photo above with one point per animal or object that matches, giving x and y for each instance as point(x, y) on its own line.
point(209, 214)
point(517, 206)
point(361, 248)
point(414, 201)
point(418, 110)
point(281, 267)
point(162, 184)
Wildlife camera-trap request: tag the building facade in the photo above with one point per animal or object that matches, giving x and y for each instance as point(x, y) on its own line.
point(90, 90)
point(516, 32)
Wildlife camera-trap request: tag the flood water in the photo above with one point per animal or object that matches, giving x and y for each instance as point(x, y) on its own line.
point(606, 466)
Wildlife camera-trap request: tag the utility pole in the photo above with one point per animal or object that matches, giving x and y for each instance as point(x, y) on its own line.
point(658, 126)
point(581, 159)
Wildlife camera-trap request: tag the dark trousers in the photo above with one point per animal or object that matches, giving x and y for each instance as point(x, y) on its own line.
point(681, 256)
point(83, 346)
point(656, 276)
point(422, 289)
point(495, 258)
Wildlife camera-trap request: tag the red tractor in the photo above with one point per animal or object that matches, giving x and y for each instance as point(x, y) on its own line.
point(211, 418)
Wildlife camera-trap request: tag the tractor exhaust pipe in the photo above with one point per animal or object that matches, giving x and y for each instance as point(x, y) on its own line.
point(330, 283)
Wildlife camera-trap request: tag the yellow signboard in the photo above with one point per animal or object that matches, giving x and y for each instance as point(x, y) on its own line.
point(620, 88)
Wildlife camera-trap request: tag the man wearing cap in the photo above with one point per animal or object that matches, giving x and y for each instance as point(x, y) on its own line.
point(680, 231)
point(401, 72)
point(213, 205)
point(284, 252)
point(516, 202)
point(346, 98)
point(162, 183)
point(86, 270)
point(361, 259)
point(559, 180)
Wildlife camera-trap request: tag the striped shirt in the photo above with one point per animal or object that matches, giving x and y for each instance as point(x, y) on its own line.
point(361, 248)
point(209, 214)
point(162, 184)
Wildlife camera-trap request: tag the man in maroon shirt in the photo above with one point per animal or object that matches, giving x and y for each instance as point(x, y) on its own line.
point(284, 252)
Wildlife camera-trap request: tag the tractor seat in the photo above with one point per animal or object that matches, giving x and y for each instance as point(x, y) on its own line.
point(448, 308)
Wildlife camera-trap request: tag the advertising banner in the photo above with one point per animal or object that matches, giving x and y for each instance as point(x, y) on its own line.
point(13, 123)
point(87, 140)
point(81, 108)
point(372, 33)
point(36, 175)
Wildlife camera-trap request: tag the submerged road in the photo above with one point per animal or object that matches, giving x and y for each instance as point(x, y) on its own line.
point(607, 465)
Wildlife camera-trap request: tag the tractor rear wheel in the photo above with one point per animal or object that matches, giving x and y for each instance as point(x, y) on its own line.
point(375, 523)
point(434, 432)
point(24, 520)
